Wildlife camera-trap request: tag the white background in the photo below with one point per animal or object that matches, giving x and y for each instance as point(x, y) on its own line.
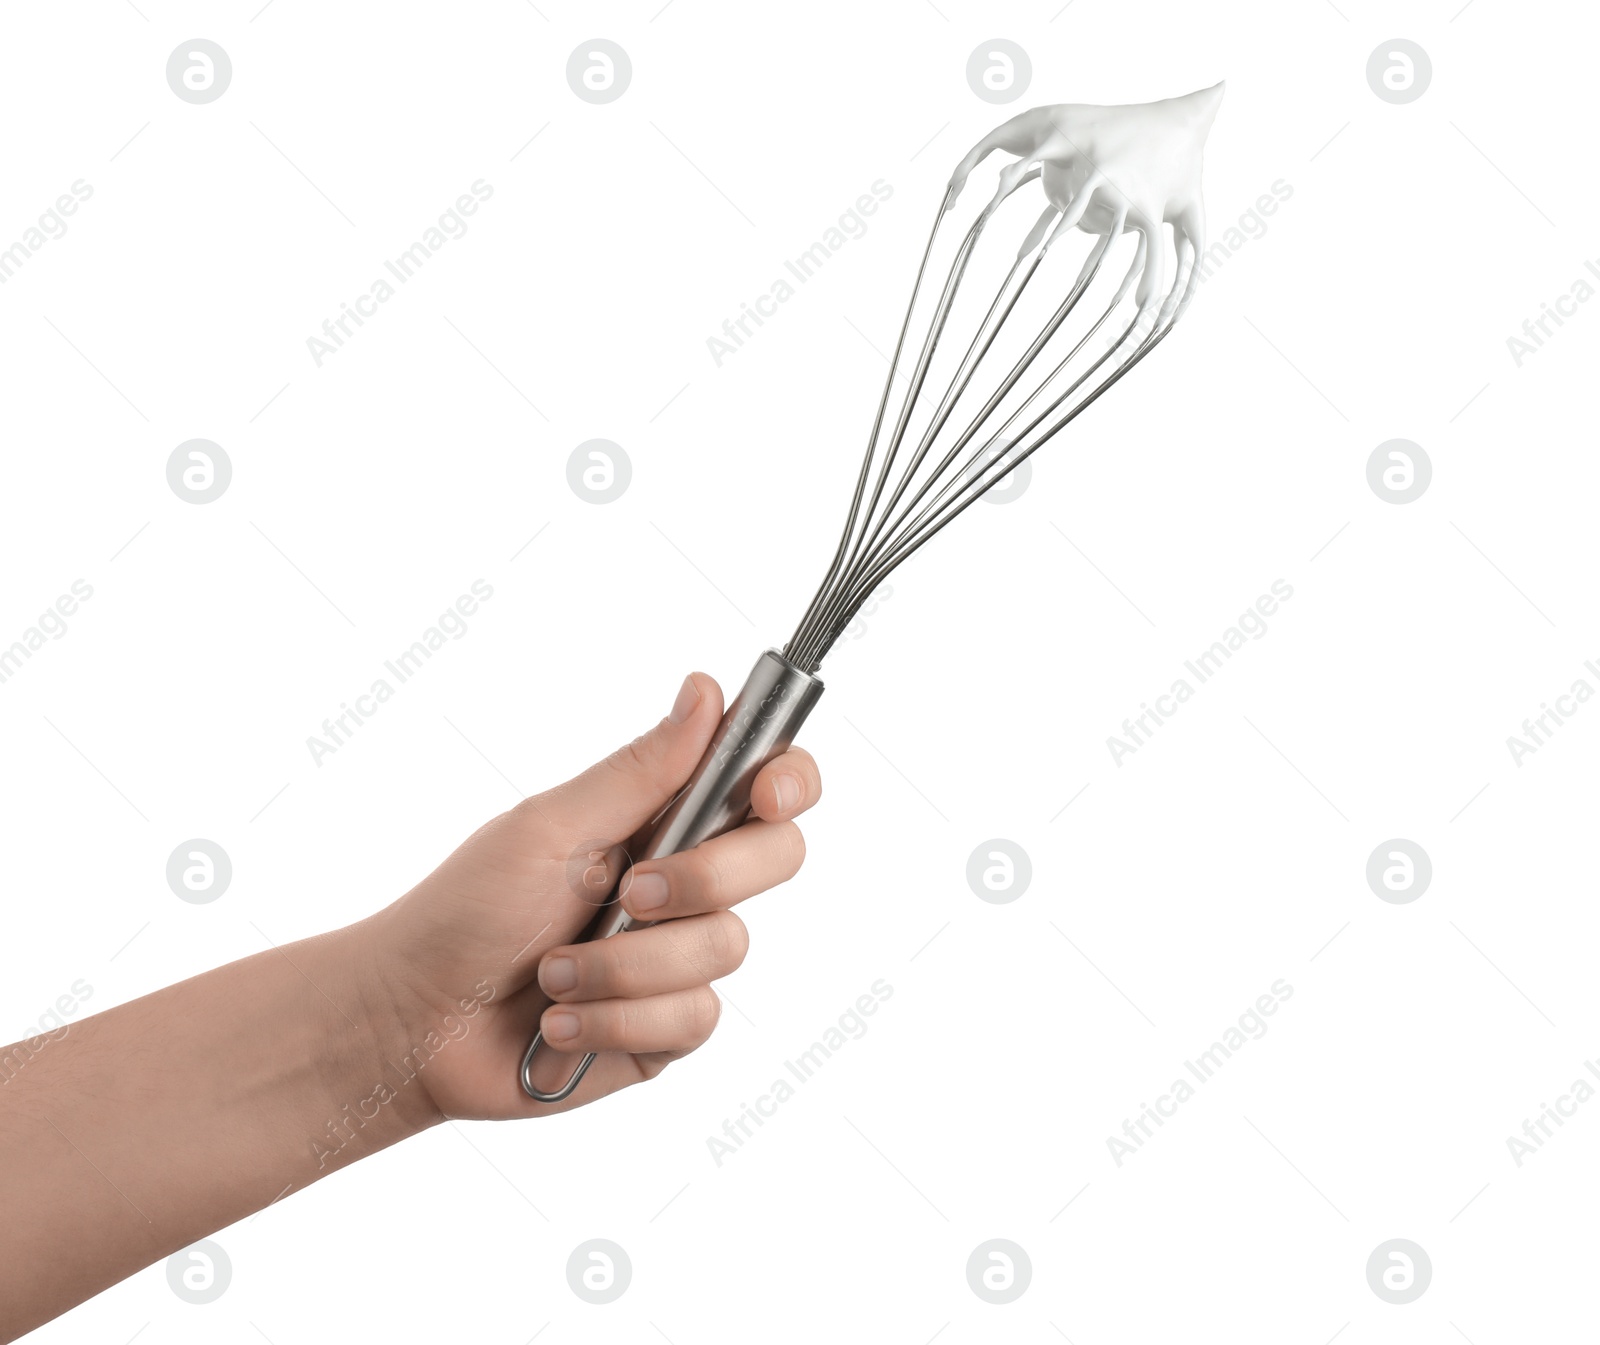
point(370, 492)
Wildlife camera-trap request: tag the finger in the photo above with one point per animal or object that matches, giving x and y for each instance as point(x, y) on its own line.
point(679, 1021)
point(786, 786)
point(678, 955)
point(618, 795)
point(716, 874)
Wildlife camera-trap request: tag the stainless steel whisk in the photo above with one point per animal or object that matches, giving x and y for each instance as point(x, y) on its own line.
point(1106, 171)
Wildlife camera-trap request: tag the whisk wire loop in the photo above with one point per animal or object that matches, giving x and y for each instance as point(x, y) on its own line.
point(903, 511)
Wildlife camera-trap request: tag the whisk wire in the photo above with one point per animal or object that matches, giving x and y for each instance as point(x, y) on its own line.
point(803, 629)
point(861, 586)
point(905, 510)
point(939, 473)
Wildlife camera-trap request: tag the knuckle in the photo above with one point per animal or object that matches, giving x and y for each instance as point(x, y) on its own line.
point(624, 972)
point(527, 816)
point(651, 1064)
point(702, 1009)
point(710, 875)
point(632, 758)
point(620, 1026)
point(726, 942)
point(795, 848)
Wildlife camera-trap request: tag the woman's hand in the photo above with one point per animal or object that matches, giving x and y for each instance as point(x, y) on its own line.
point(478, 956)
point(165, 1118)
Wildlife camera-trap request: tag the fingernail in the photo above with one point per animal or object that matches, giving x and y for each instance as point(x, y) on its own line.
point(688, 698)
point(646, 892)
point(560, 1026)
point(788, 787)
point(558, 975)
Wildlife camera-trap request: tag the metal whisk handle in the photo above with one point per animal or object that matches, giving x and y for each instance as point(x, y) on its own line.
point(760, 724)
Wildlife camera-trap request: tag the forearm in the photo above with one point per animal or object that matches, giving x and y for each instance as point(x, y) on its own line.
point(139, 1131)
point(148, 1126)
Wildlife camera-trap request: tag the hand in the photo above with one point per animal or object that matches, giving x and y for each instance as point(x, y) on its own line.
point(477, 956)
point(421, 1012)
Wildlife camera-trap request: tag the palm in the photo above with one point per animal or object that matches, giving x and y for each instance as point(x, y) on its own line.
point(475, 930)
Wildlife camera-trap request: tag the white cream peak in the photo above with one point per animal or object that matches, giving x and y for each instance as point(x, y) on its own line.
point(1107, 169)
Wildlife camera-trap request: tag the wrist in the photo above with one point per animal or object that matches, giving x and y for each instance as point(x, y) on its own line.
point(375, 1097)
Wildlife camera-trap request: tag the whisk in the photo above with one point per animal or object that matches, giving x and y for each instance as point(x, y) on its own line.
point(1105, 171)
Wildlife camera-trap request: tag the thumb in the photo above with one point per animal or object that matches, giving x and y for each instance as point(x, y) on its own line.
point(619, 794)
